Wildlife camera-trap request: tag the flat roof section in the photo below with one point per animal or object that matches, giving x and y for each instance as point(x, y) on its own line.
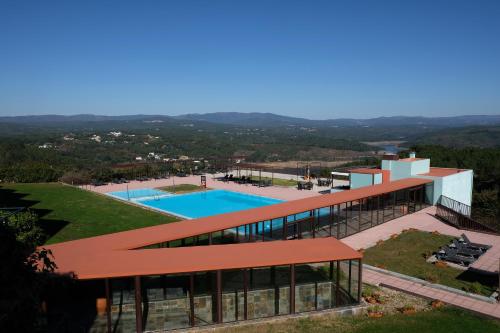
point(442, 172)
point(366, 171)
point(412, 159)
point(92, 264)
point(138, 238)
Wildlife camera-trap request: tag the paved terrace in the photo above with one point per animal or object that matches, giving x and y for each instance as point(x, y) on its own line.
point(277, 192)
point(424, 220)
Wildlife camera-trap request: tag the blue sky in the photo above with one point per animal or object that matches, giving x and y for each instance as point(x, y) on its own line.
point(316, 59)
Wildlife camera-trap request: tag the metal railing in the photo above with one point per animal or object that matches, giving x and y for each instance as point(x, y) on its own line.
point(459, 215)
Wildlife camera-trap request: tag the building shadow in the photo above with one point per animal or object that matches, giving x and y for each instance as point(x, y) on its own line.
point(12, 198)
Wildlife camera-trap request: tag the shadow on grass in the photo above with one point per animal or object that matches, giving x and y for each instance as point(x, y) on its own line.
point(12, 198)
point(483, 277)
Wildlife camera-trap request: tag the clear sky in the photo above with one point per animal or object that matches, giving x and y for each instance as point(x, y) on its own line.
point(316, 59)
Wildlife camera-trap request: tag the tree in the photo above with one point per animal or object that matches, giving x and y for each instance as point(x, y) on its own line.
point(24, 272)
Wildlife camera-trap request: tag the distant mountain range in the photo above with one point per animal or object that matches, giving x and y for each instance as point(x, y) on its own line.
point(257, 119)
point(270, 120)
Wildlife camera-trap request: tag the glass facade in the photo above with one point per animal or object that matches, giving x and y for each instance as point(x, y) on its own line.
point(340, 220)
point(176, 301)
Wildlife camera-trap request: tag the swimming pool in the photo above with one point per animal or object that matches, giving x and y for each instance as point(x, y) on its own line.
point(198, 204)
point(138, 194)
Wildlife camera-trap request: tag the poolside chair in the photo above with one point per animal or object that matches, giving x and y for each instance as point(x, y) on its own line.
point(463, 249)
point(475, 246)
point(452, 255)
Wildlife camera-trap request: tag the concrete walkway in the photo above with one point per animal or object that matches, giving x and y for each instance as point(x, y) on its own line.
point(429, 292)
point(277, 192)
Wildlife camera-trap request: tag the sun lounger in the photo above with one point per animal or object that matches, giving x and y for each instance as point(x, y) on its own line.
point(452, 255)
point(463, 249)
point(477, 246)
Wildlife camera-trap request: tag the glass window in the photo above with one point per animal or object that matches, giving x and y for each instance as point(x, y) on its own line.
point(123, 305)
point(165, 301)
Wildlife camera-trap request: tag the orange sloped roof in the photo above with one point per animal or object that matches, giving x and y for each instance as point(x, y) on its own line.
point(112, 255)
point(366, 170)
point(187, 228)
point(442, 172)
point(111, 264)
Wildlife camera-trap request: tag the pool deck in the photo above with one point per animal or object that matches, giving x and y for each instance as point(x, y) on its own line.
point(277, 192)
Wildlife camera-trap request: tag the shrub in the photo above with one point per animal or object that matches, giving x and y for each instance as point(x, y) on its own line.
point(475, 288)
point(431, 277)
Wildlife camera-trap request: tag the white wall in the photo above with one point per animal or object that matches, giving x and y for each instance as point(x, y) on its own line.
point(420, 166)
point(360, 180)
point(459, 187)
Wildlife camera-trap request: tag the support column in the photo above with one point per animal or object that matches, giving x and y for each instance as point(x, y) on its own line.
point(219, 296)
point(337, 285)
point(292, 288)
point(191, 299)
point(245, 294)
point(331, 221)
point(138, 304)
point(360, 278)
point(108, 305)
point(360, 203)
point(285, 218)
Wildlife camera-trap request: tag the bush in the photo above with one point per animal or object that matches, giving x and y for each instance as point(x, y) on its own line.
point(475, 288)
point(431, 277)
point(24, 226)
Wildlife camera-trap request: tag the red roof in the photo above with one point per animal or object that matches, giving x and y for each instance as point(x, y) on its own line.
point(92, 264)
point(442, 172)
point(366, 170)
point(113, 255)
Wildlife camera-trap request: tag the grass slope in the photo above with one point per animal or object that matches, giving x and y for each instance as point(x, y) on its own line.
point(405, 254)
point(445, 320)
point(68, 213)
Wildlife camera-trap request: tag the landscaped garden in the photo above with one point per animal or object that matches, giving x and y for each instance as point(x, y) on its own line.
point(183, 188)
point(277, 181)
point(398, 313)
point(407, 253)
point(68, 213)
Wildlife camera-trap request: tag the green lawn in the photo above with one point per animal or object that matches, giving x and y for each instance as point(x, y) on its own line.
point(277, 181)
point(444, 320)
point(69, 213)
point(183, 188)
point(406, 254)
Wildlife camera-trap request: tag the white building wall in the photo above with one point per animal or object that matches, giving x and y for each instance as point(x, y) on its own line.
point(377, 178)
point(420, 166)
point(360, 180)
point(400, 170)
point(459, 187)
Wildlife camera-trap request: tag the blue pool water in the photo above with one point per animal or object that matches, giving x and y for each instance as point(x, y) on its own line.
point(195, 205)
point(138, 194)
point(213, 202)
